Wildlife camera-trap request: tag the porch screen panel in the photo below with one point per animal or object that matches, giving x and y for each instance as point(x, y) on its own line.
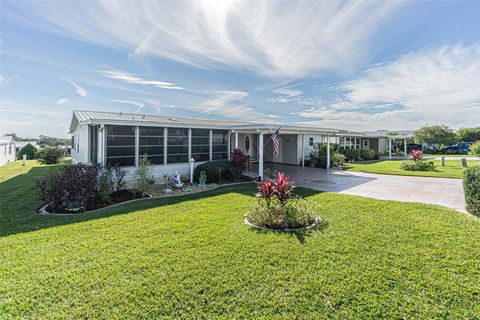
point(120, 145)
point(201, 144)
point(151, 144)
point(177, 145)
point(219, 144)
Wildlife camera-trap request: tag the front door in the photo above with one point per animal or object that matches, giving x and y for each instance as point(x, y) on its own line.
point(366, 144)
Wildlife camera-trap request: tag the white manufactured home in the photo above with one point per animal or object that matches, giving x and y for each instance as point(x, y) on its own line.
point(7, 150)
point(171, 142)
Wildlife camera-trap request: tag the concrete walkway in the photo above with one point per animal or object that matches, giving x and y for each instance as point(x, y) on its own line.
point(441, 191)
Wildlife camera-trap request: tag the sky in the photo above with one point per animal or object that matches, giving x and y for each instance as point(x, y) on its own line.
point(394, 65)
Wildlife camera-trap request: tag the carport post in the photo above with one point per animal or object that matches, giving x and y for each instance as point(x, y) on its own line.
point(236, 139)
point(303, 150)
point(405, 147)
point(328, 152)
point(389, 149)
point(260, 155)
point(355, 143)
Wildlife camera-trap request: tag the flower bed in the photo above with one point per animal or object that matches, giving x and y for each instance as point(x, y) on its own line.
point(416, 163)
point(277, 208)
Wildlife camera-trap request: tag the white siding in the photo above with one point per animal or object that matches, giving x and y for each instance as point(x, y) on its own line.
point(158, 171)
point(5, 155)
point(81, 138)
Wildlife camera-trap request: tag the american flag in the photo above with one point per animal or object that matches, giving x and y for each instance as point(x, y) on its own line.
point(276, 142)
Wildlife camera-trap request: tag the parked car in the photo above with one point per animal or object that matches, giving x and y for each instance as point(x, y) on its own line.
point(413, 146)
point(458, 148)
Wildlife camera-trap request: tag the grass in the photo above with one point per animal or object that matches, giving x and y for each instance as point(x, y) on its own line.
point(428, 155)
point(193, 257)
point(452, 168)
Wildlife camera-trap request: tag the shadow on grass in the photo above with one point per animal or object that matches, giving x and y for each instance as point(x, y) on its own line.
point(19, 203)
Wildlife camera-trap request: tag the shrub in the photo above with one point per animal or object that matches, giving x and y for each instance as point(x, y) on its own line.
point(106, 185)
point(50, 155)
point(118, 177)
point(296, 213)
point(475, 148)
point(367, 154)
point(143, 175)
point(239, 160)
point(471, 187)
point(29, 150)
point(318, 156)
point(48, 188)
point(411, 165)
point(216, 171)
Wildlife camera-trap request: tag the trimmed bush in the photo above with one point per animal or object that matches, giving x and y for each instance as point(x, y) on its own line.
point(367, 154)
point(471, 188)
point(354, 155)
point(318, 156)
point(50, 155)
point(29, 150)
point(216, 171)
point(411, 165)
point(475, 148)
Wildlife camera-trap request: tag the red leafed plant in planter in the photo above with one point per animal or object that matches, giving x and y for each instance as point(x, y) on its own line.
point(416, 155)
point(277, 208)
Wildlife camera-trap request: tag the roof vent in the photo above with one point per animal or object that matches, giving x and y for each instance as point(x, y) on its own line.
point(173, 119)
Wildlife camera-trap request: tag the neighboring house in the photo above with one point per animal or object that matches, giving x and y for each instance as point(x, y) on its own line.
point(7, 150)
point(20, 144)
point(170, 142)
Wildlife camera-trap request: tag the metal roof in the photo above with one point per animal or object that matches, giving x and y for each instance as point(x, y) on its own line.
point(6, 140)
point(100, 117)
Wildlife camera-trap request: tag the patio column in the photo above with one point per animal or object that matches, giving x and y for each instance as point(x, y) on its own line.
point(389, 149)
point(355, 143)
point(229, 147)
point(344, 142)
point(405, 146)
point(236, 140)
point(328, 152)
point(210, 150)
point(303, 150)
point(260, 155)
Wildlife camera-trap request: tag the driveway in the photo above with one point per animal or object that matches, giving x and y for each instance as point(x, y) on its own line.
point(441, 191)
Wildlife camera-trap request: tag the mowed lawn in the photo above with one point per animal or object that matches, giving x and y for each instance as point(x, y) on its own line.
point(452, 168)
point(193, 257)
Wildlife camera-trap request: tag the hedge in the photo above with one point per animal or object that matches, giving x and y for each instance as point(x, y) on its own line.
point(215, 170)
point(471, 188)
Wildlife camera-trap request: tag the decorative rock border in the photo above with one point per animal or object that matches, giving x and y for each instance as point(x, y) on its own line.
point(318, 221)
point(43, 209)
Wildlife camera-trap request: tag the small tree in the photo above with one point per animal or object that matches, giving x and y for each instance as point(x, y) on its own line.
point(435, 136)
point(475, 148)
point(105, 185)
point(118, 175)
point(50, 155)
point(144, 175)
point(468, 134)
point(29, 150)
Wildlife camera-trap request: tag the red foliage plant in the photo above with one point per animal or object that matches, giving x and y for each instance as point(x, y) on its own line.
point(416, 155)
point(281, 188)
point(239, 159)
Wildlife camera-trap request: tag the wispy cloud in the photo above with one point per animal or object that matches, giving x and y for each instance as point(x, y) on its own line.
point(273, 38)
point(293, 95)
point(78, 89)
point(139, 105)
point(435, 85)
point(5, 80)
point(136, 79)
point(62, 100)
point(222, 100)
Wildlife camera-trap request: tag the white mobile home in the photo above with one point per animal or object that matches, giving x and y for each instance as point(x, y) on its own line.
point(7, 150)
point(170, 142)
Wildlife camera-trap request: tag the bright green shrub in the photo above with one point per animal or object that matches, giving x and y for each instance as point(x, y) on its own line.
point(29, 150)
point(471, 188)
point(367, 154)
point(50, 155)
point(358, 154)
point(318, 156)
point(475, 148)
point(216, 171)
point(410, 165)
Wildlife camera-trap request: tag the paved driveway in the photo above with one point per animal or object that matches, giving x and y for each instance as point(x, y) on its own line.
point(441, 191)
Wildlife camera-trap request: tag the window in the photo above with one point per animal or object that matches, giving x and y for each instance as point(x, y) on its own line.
point(219, 144)
point(151, 144)
point(177, 145)
point(310, 141)
point(201, 144)
point(120, 145)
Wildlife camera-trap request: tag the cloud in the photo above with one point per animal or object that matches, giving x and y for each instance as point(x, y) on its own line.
point(139, 105)
point(5, 80)
point(272, 38)
point(135, 79)
point(62, 100)
point(293, 95)
point(222, 100)
point(78, 89)
point(433, 85)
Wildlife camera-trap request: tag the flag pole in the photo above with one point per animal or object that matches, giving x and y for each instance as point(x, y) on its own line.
point(271, 136)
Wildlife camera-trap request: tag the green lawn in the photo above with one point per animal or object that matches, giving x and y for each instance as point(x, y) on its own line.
point(193, 257)
point(427, 155)
point(452, 169)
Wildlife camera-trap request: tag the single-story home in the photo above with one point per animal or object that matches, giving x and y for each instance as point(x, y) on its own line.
point(20, 144)
point(7, 150)
point(171, 142)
